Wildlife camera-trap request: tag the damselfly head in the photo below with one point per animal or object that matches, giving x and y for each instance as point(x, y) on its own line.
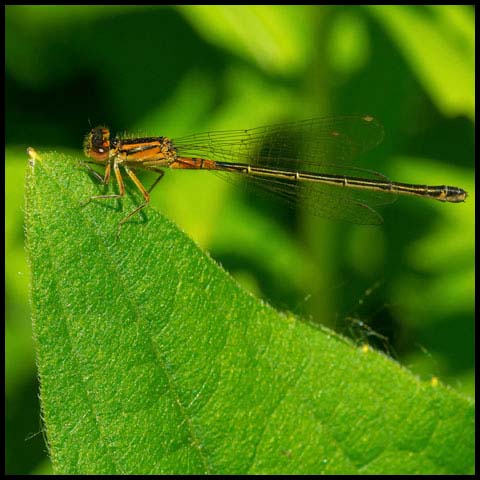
point(97, 144)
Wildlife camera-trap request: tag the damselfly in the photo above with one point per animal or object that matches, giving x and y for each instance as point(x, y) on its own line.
point(311, 160)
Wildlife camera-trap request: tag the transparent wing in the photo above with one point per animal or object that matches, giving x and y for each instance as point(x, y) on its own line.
point(322, 145)
point(328, 145)
point(323, 200)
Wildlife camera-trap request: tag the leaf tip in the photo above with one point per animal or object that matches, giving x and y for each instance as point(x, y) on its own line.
point(32, 156)
point(434, 382)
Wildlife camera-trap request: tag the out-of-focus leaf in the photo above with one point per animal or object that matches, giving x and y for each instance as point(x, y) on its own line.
point(281, 40)
point(441, 53)
point(18, 335)
point(348, 46)
point(450, 244)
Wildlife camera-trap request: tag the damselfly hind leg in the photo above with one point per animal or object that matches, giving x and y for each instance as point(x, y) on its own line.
point(154, 184)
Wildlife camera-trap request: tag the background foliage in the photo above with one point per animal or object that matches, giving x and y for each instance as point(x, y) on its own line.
point(407, 287)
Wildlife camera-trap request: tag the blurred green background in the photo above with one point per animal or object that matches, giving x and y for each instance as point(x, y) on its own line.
point(406, 287)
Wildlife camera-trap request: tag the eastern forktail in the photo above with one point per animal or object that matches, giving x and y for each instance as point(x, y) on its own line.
point(309, 159)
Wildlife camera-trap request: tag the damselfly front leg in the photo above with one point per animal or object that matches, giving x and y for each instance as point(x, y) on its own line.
point(99, 178)
point(105, 181)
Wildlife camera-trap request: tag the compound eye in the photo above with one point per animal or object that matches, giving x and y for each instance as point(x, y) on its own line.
point(97, 144)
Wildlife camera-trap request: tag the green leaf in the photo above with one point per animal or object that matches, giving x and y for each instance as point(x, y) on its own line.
point(153, 360)
point(271, 47)
point(438, 42)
